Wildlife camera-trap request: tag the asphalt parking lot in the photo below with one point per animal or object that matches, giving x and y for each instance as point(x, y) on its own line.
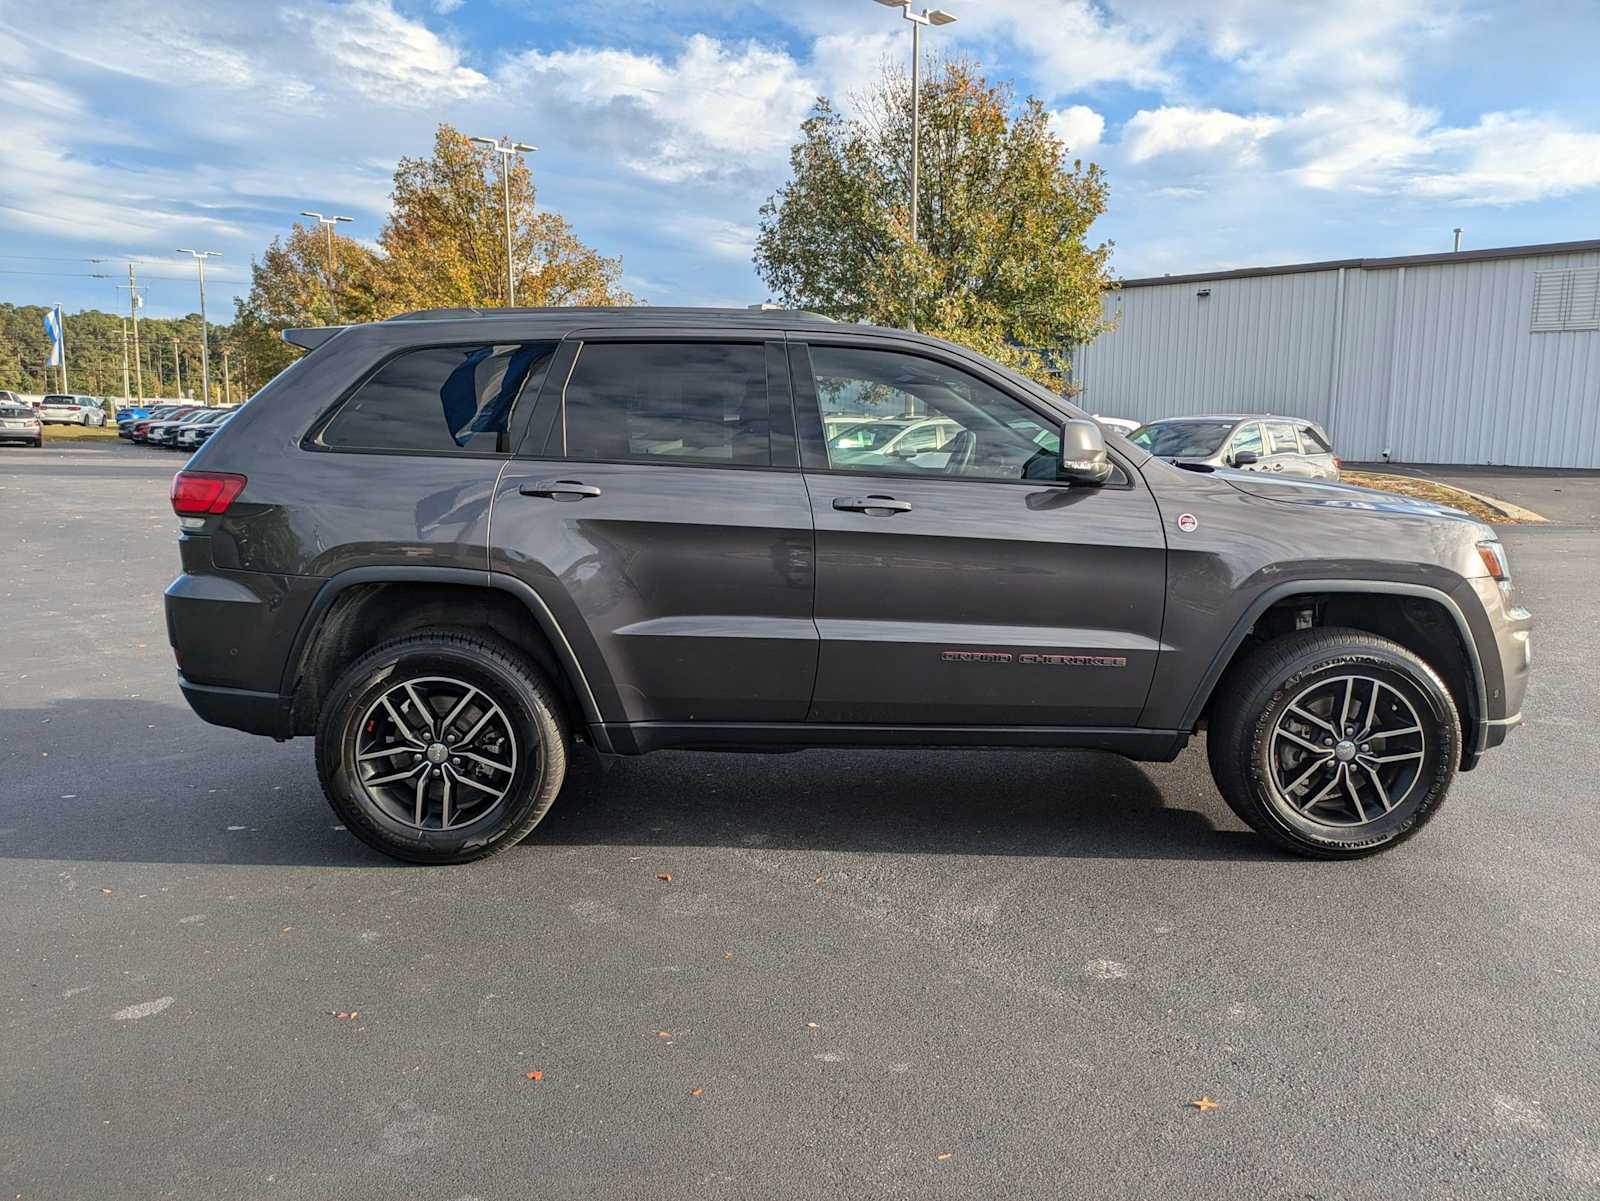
point(871, 974)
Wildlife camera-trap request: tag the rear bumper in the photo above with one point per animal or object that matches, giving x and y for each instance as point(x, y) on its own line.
point(238, 709)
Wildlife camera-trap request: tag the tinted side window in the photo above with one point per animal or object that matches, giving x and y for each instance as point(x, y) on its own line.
point(1283, 438)
point(703, 402)
point(456, 399)
point(1314, 442)
point(1248, 438)
point(916, 416)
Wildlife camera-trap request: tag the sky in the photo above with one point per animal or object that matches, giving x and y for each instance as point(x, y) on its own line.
point(1234, 133)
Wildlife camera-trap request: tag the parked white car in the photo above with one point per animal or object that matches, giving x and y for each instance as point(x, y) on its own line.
point(61, 409)
point(1120, 424)
point(200, 427)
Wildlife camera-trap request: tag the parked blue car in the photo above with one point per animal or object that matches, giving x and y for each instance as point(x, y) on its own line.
point(126, 418)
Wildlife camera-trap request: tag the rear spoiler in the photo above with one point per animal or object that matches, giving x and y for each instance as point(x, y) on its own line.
point(310, 339)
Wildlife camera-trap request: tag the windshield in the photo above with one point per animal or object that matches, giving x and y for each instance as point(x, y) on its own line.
point(1182, 439)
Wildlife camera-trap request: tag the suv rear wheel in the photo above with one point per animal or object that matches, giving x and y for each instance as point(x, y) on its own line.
point(1334, 743)
point(441, 747)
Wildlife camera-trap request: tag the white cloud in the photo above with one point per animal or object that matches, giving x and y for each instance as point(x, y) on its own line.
point(1079, 127)
point(727, 240)
point(1213, 132)
point(384, 55)
point(1505, 158)
point(1509, 158)
point(714, 110)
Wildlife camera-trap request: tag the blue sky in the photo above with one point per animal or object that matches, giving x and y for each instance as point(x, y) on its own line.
point(1234, 133)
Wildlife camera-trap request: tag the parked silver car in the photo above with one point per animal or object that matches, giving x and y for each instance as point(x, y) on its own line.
point(1249, 441)
point(18, 422)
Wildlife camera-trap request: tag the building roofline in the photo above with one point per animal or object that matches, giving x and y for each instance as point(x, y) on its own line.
point(1405, 260)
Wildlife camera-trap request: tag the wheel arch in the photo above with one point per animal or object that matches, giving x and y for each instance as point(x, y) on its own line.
point(356, 609)
point(1379, 607)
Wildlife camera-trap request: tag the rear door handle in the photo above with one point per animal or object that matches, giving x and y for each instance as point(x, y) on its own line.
point(560, 489)
point(874, 505)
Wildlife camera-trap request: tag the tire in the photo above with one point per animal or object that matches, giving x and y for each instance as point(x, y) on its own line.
point(1271, 763)
point(529, 736)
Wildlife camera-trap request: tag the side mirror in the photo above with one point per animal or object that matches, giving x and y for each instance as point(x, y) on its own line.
point(1083, 453)
point(1244, 458)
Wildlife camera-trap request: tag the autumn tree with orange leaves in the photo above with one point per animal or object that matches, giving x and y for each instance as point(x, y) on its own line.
point(443, 246)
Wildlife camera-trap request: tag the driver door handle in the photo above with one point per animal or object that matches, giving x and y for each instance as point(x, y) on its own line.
point(873, 505)
point(560, 489)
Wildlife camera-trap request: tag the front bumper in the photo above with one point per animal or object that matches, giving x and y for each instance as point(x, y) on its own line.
point(1511, 629)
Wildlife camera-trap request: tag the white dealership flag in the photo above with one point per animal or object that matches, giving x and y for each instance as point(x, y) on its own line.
point(52, 326)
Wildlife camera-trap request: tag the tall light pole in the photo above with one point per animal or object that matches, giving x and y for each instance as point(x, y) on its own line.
point(200, 257)
point(928, 16)
point(328, 223)
point(505, 148)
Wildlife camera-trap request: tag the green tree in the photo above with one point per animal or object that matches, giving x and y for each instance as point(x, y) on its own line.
point(1004, 263)
point(291, 286)
point(445, 238)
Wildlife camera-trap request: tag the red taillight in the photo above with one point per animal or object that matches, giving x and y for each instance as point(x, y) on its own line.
point(204, 493)
point(1337, 462)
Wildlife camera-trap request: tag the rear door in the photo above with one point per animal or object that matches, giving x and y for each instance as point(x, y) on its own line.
point(966, 585)
point(1283, 449)
point(1318, 453)
point(658, 508)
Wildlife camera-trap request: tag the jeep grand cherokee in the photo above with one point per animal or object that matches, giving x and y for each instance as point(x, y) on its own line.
point(453, 544)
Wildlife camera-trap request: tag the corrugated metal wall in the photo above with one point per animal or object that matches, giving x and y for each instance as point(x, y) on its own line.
point(1435, 363)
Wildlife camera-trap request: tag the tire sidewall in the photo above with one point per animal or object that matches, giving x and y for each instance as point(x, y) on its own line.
point(525, 711)
point(1432, 702)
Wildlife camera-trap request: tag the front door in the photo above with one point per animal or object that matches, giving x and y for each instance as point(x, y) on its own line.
point(662, 525)
point(966, 585)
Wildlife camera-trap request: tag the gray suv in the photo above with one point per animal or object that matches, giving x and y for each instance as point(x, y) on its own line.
point(1248, 441)
point(454, 545)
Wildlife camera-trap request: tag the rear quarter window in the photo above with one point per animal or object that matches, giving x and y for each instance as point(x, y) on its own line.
point(439, 399)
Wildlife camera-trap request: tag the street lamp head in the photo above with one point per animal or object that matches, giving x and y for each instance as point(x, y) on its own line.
point(893, 3)
point(939, 16)
point(309, 213)
point(344, 218)
point(522, 146)
point(484, 141)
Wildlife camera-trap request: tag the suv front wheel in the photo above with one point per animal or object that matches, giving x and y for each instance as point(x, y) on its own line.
point(441, 747)
point(1334, 743)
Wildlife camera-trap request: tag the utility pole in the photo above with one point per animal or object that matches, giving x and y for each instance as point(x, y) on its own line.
point(177, 369)
point(227, 382)
point(505, 148)
point(200, 257)
point(124, 362)
point(133, 311)
point(328, 223)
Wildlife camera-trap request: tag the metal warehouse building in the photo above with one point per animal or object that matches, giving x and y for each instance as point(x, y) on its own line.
point(1478, 356)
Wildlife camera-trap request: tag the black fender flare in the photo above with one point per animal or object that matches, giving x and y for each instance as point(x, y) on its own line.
point(1241, 628)
point(535, 604)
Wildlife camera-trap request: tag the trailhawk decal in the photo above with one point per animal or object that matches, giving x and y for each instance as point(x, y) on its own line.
point(1041, 658)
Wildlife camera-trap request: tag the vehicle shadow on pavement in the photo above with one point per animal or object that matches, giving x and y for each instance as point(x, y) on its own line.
point(1073, 804)
point(156, 786)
